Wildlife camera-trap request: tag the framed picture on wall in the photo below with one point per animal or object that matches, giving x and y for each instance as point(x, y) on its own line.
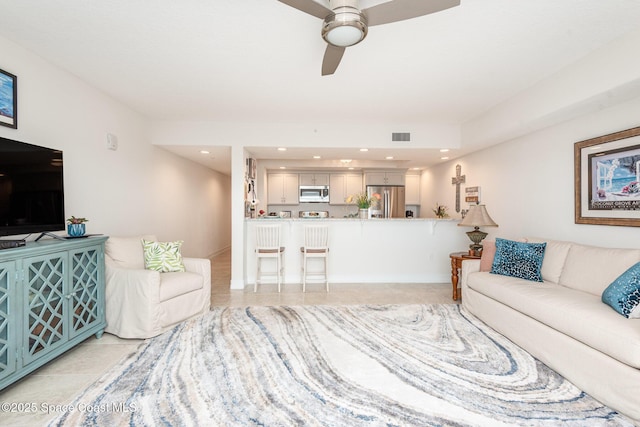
point(8, 100)
point(472, 195)
point(607, 179)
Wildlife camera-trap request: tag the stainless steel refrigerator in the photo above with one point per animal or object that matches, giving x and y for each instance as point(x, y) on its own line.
point(389, 201)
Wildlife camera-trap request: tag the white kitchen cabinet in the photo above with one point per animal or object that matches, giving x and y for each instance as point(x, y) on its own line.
point(282, 189)
point(412, 189)
point(343, 185)
point(384, 178)
point(314, 179)
point(353, 184)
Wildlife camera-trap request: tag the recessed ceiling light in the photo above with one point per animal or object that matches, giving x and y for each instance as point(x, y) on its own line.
point(364, 149)
point(283, 167)
point(444, 150)
point(444, 158)
point(282, 149)
point(345, 161)
point(415, 169)
point(351, 168)
point(317, 157)
point(204, 152)
point(389, 157)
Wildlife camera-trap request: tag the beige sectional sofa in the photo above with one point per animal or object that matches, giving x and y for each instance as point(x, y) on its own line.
point(562, 320)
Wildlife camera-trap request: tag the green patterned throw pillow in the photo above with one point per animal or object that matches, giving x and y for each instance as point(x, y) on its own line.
point(164, 257)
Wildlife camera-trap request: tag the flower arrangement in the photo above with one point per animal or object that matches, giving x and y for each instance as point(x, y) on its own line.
point(74, 220)
point(441, 211)
point(363, 200)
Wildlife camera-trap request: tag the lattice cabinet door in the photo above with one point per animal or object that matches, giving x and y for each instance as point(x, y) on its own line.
point(52, 298)
point(86, 294)
point(8, 333)
point(45, 304)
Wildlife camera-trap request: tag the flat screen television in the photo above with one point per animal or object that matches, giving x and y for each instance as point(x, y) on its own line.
point(31, 188)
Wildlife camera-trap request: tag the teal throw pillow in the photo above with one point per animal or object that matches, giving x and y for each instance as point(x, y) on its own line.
point(623, 294)
point(518, 259)
point(164, 257)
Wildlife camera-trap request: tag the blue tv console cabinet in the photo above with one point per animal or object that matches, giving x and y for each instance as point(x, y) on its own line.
point(51, 299)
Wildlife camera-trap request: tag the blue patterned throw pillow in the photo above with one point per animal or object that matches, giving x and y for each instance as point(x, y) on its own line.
point(623, 294)
point(518, 259)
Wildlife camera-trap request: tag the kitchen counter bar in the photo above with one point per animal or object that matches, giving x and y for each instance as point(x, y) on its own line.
point(277, 218)
point(395, 250)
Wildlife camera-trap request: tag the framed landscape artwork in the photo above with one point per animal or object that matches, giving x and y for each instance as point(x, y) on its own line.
point(8, 100)
point(607, 179)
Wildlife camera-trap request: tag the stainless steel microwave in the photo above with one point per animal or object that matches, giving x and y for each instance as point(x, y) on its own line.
point(314, 194)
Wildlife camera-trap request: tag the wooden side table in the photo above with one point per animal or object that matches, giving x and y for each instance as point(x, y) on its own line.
point(456, 265)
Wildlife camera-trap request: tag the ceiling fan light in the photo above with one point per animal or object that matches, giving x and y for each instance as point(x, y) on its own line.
point(346, 27)
point(344, 36)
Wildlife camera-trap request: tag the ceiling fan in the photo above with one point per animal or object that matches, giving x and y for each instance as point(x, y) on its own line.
point(344, 24)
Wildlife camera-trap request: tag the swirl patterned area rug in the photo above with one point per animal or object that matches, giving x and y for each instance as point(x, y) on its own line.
point(390, 365)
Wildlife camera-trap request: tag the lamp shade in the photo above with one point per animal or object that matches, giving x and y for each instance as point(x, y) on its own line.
point(477, 217)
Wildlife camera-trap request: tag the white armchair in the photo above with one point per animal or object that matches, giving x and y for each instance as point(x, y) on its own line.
point(144, 303)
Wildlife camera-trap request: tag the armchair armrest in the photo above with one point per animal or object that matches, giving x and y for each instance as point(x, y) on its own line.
point(132, 302)
point(198, 265)
point(468, 266)
point(201, 266)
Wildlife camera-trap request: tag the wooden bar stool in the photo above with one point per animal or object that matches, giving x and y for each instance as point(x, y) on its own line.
point(268, 246)
point(316, 245)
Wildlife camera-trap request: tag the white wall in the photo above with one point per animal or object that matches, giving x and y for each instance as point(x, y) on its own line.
point(123, 192)
point(528, 183)
point(604, 78)
point(190, 200)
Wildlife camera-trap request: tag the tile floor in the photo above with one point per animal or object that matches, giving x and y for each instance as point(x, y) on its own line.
point(58, 382)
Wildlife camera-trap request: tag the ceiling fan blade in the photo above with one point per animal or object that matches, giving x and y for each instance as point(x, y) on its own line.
point(399, 10)
point(331, 60)
point(309, 6)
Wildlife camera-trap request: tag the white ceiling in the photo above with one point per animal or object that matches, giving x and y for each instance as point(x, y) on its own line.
point(259, 60)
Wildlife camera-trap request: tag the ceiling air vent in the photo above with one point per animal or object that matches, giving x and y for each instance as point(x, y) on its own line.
point(400, 137)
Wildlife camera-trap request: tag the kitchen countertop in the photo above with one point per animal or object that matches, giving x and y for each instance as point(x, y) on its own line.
point(394, 250)
point(275, 218)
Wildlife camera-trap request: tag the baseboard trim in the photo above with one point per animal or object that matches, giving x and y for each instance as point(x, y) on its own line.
point(219, 251)
point(237, 284)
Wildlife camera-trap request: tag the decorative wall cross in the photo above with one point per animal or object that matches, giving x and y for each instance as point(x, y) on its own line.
point(457, 180)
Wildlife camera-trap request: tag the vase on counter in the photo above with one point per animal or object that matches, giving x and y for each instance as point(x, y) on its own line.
point(76, 230)
point(363, 213)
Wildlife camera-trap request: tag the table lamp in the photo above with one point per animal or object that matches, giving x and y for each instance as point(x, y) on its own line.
point(477, 217)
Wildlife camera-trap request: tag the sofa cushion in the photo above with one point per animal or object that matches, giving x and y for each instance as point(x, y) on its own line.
point(623, 295)
point(591, 269)
point(517, 259)
point(580, 315)
point(126, 252)
point(178, 283)
point(488, 253)
point(164, 257)
point(555, 255)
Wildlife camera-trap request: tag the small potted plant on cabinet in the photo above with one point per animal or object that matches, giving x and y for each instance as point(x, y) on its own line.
point(76, 227)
